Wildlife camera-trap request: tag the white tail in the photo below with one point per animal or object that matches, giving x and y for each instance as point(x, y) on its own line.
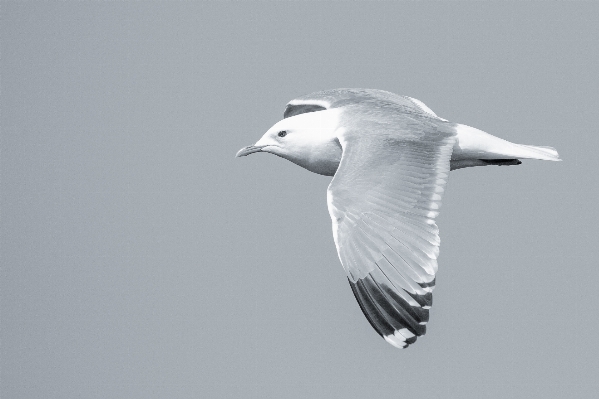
point(473, 144)
point(540, 152)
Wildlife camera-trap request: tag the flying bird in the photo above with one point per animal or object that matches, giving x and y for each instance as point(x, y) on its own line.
point(390, 156)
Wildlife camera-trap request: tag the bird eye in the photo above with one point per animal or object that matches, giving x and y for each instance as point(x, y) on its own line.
point(282, 133)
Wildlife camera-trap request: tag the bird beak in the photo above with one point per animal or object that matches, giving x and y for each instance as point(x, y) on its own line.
point(249, 150)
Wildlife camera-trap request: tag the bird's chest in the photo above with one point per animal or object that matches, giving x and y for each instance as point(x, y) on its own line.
point(322, 159)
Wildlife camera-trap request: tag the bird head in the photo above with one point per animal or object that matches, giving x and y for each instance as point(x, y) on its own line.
point(308, 140)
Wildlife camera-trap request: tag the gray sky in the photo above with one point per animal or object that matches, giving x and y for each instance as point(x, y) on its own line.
point(141, 260)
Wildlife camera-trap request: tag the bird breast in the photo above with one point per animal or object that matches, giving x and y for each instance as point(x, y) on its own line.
point(322, 159)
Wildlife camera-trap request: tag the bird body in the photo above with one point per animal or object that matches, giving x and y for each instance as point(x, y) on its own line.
point(390, 156)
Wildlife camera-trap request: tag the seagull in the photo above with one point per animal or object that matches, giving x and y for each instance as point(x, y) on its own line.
point(390, 157)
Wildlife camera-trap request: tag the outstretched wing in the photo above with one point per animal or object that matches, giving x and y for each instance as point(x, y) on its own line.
point(302, 108)
point(327, 99)
point(383, 201)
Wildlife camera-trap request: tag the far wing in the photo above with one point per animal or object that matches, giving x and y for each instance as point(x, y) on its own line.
point(327, 99)
point(383, 201)
point(302, 108)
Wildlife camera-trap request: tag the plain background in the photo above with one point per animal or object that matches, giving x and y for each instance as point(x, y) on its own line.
point(141, 260)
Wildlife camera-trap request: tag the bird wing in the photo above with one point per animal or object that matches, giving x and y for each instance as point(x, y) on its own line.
point(335, 98)
point(383, 202)
point(302, 108)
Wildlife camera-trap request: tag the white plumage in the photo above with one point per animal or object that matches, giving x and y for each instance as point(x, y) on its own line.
point(390, 156)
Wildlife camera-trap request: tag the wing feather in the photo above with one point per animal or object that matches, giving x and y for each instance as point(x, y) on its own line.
point(383, 201)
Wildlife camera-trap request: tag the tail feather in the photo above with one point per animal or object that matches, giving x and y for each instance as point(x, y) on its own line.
point(541, 152)
point(474, 144)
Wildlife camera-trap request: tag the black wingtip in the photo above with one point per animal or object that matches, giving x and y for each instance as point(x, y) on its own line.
point(391, 316)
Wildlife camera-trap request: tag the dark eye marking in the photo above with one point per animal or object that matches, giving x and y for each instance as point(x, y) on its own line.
point(282, 133)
